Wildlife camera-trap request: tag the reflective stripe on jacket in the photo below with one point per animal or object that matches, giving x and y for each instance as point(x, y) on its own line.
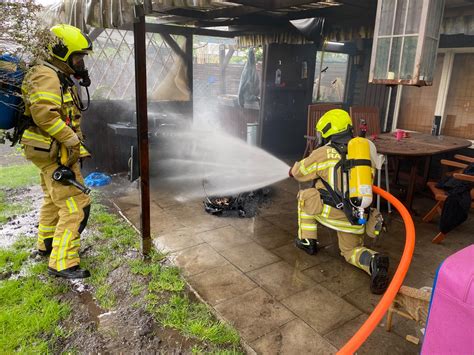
point(321, 164)
point(50, 109)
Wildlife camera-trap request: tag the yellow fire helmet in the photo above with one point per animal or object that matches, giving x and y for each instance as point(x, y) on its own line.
point(71, 40)
point(333, 122)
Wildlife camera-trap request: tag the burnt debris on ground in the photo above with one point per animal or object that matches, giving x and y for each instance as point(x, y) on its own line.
point(243, 205)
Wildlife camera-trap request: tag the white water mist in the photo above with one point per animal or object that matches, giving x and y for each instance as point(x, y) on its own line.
point(194, 163)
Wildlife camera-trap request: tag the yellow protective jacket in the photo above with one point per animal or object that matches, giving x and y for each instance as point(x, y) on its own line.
point(321, 164)
point(52, 109)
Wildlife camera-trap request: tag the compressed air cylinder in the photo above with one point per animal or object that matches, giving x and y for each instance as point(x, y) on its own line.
point(360, 175)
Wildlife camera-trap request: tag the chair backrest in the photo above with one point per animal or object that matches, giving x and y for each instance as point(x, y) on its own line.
point(370, 114)
point(315, 112)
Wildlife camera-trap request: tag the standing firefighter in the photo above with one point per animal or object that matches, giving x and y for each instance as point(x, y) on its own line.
point(325, 204)
point(55, 139)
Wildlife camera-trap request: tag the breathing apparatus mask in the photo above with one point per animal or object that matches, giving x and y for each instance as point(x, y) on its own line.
point(76, 62)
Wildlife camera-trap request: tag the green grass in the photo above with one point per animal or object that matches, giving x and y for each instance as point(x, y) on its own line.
point(14, 177)
point(194, 319)
point(112, 239)
point(8, 209)
point(29, 311)
point(165, 295)
point(12, 260)
point(19, 176)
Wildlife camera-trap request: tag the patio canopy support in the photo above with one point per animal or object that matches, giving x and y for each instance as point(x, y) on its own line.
point(139, 34)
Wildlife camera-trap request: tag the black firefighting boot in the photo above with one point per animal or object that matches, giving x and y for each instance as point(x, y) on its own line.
point(74, 272)
point(379, 274)
point(49, 247)
point(310, 246)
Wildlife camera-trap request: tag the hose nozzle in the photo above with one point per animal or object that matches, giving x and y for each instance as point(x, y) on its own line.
point(66, 176)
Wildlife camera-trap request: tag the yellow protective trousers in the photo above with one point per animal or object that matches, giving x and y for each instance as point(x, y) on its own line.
point(350, 237)
point(63, 214)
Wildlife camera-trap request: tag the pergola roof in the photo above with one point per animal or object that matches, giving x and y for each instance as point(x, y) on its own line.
point(240, 16)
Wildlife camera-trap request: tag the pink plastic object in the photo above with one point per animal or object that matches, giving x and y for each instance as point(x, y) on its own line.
point(450, 326)
point(399, 134)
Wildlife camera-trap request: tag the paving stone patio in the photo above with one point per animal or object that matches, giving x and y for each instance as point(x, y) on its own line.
point(280, 299)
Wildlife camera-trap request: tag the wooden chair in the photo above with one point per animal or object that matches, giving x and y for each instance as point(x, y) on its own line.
point(315, 112)
point(410, 303)
point(440, 195)
point(370, 114)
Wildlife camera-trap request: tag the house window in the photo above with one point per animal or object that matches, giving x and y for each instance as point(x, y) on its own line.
point(333, 77)
point(405, 41)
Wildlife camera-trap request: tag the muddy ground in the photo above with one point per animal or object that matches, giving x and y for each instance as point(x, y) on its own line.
point(128, 328)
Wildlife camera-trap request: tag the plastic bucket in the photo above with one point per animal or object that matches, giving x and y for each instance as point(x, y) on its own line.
point(252, 131)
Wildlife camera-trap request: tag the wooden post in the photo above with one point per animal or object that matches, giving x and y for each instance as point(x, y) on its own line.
point(189, 72)
point(222, 67)
point(142, 126)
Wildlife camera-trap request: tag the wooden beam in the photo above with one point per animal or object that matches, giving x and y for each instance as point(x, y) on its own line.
point(139, 34)
point(189, 66)
point(459, 11)
point(273, 4)
point(227, 12)
point(228, 56)
point(224, 59)
point(174, 46)
point(185, 31)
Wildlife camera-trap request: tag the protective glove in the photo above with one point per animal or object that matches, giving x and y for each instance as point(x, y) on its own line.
point(73, 153)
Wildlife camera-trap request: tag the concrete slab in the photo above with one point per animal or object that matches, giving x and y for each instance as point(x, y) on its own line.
point(177, 240)
point(348, 279)
point(271, 237)
point(224, 238)
point(128, 201)
point(255, 313)
point(329, 269)
point(161, 222)
point(192, 215)
point(380, 342)
point(281, 299)
point(362, 298)
point(295, 337)
point(220, 284)
point(249, 225)
point(198, 259)
point(281, 280)
point(321, 309)
point(298, 258)
point(286, 221)
point(249, 256)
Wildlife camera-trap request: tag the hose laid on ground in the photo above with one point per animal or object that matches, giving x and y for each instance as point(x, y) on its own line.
point(376, 316)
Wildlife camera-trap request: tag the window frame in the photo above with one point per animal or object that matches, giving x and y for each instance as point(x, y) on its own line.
point(346, 77)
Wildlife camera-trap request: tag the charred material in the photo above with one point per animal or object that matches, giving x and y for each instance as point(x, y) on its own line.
point(242, 205)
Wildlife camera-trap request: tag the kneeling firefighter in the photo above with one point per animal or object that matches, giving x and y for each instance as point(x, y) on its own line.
point(53, 142)
point(341, 196)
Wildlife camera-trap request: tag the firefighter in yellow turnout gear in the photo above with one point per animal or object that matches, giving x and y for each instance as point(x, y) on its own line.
point(316, 205)
point(51, 100)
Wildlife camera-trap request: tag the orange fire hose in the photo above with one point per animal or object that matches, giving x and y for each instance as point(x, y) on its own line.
point(376, 316)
